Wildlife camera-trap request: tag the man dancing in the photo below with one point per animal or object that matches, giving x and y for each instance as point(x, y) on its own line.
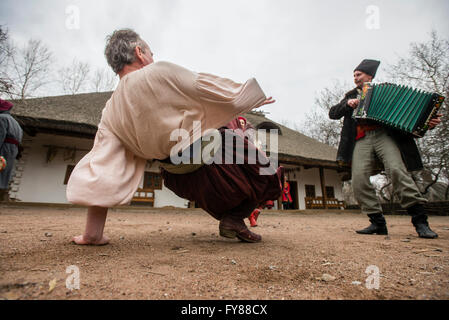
point(151, 101)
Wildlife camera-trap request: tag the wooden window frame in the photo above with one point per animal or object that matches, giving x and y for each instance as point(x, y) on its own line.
point(307, 186)
point(332, 196)
point(155, 183)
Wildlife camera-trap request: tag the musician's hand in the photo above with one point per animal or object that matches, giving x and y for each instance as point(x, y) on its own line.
point(435, 121)
point(269, 100)
point(353, 103)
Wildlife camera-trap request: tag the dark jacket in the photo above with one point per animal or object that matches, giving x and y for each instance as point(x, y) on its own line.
point(406, 143)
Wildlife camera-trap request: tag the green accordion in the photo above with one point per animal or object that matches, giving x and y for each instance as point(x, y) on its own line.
point(400, 107)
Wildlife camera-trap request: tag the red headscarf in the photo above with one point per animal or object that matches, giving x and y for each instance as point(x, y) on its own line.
point(5, 105)
point(242, 118)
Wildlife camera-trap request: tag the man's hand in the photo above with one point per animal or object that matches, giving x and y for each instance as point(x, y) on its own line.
point(353, 103)
point(435, 121)
point(269, 100)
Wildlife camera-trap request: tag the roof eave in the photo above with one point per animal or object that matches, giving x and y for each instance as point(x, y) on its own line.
point(32, 126)
point(308, 162)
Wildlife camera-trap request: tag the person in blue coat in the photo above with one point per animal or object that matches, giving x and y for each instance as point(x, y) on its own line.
point(10, 138)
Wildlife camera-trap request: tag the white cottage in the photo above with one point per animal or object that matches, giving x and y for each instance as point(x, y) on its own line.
point(60, 130)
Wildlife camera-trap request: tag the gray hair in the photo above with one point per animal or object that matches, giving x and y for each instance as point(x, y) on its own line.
point(120, 47)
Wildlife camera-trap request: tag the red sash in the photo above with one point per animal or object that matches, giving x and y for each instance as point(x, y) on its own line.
point(12, 141)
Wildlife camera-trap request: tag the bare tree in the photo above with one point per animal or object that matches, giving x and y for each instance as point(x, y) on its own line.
point(383, 187)
point(73, 79)
point(103, 80)
point(5, 54)
point(28, 69)
point(317, 123)
point(427, 67)
point(3, 34)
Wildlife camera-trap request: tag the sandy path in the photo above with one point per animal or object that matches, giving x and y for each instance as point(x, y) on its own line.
point(177, 254)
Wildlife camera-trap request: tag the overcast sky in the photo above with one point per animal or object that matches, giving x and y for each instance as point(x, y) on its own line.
point(292, 47)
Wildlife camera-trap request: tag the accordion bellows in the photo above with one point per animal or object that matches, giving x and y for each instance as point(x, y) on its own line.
point(397, 106)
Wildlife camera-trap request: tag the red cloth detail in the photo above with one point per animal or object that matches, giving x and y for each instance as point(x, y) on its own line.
point(286, 197)
point(11, 141)
point(360, 134)
point(363, 128)
point(242, 118)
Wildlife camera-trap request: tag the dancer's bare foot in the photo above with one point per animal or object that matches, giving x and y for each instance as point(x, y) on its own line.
point(82, 240)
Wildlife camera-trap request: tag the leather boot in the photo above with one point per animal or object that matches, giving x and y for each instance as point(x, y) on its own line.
point(419, 220)
point(378, 225)
point(4, 195)
point(231, 227)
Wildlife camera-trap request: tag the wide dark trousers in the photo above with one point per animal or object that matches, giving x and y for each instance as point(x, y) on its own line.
point(229, 189)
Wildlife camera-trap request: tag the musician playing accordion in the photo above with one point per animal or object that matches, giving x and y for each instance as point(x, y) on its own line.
point(364, 144)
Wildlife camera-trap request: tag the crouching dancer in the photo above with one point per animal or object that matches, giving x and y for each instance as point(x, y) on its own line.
point(151, 101)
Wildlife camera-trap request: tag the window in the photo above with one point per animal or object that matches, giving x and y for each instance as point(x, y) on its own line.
point(68, 172)
point(310, 191)
point(330, 193)
point(152, 181)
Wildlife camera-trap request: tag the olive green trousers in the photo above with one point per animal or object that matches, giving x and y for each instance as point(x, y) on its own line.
point(379, 143)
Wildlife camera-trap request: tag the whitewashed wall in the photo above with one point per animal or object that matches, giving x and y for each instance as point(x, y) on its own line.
point(165, 197)
point(312, 177)
point(37, 180)
point(333, 179)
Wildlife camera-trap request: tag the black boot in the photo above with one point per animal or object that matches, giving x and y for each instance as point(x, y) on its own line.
point(4, 195)
point(419, 220)
point(378, 225)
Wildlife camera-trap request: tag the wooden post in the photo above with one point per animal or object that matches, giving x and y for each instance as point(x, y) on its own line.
point(323, 187)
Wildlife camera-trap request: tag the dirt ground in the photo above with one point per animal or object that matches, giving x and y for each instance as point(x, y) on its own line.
point(172, 254)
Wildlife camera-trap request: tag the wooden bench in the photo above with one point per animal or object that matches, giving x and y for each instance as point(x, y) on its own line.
point(144, 195)
point(317, 203)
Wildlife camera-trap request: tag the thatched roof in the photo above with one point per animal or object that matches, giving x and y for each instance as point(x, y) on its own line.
point(74, 114)
point(80, 114)
point(295, 147)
